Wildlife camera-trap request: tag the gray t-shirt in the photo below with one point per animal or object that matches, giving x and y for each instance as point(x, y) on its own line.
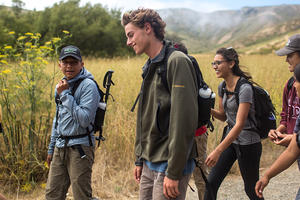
point(247, 135)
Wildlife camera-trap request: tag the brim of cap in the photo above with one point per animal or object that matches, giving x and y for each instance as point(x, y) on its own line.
point(70, 55)
point(284, 51)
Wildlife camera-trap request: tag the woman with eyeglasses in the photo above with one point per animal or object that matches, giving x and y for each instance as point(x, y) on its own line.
point(240, 141)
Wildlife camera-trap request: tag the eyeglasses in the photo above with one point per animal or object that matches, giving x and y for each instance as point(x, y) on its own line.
point(217, 62)
point(71, 63)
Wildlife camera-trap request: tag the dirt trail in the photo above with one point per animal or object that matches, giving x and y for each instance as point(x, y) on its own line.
point(282, 187)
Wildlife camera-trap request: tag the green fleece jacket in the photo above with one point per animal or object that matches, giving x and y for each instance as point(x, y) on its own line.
point(167, 120)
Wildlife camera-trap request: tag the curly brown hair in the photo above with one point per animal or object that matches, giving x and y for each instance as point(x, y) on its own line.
point(144, 15)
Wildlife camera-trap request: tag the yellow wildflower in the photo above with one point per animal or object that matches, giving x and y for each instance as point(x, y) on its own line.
point(45, 62)
point(34, 37)
point(8, 47)
point(48, 43)
point(11, 33)
point(5, 90)
point(7, 71)
point(27, 187)
point(3, 56)
point(22, 63)
point(38, 34)
point(43, 185)
point(28, 44)
point(4, 62)
point(46, 165)
point(33, 47)
point(66, 32)
point(18, 87)
point(56, 39)
point(21, 38)
point(43, 47)
point(29, 34)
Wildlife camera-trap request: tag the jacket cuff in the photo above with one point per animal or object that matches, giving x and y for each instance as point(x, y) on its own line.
point(172, 176)
point(138, 162)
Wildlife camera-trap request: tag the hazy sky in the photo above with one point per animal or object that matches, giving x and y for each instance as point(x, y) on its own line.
point(199, 5)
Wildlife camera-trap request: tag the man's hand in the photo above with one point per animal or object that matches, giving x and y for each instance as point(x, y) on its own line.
point(170, 188)
point(260, 186)
point(137, 173)
point(62, 85)
point(49, 159)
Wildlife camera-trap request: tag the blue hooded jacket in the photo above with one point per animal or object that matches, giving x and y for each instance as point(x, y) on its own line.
point(77, 113)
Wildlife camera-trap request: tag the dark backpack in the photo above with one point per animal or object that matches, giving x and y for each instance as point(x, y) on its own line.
point(206, 97)
point(100, 112)
point(265, 114)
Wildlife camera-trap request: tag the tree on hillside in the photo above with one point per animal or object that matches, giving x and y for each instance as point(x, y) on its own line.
point(97, 31)
point(17, 6)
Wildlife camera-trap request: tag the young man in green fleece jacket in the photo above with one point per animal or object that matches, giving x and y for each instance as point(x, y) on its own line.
point(167, 117)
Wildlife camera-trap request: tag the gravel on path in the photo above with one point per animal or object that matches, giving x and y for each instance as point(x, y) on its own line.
point(282, 187)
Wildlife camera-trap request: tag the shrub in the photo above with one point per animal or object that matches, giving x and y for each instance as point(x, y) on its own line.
point(26, 97)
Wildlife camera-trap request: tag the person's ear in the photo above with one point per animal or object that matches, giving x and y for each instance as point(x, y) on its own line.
point(59, 64)
point(148, 27)
point(231, 64)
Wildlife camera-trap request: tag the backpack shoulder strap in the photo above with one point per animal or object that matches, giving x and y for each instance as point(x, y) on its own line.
point(75, 86)
point(200, 80)
point(57, 99)
point(77, 83)
point(163, 70)
point(290, 83)
point(223, 88)
point(240, 82)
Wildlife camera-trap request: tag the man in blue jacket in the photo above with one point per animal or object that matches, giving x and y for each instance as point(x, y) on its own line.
point(71, 149)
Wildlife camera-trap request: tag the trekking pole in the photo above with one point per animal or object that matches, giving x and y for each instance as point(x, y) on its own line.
point(107, 82)
point(1, 129)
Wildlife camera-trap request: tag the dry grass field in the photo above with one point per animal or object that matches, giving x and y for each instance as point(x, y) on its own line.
point(112, 175)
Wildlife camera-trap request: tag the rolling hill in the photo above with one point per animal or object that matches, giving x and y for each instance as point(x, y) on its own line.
point(238, 28)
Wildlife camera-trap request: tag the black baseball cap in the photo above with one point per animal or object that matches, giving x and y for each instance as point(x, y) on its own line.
point(70, 50)
point(291, 46)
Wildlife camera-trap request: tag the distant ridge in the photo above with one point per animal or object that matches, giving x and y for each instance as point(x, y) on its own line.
point(239, 28)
